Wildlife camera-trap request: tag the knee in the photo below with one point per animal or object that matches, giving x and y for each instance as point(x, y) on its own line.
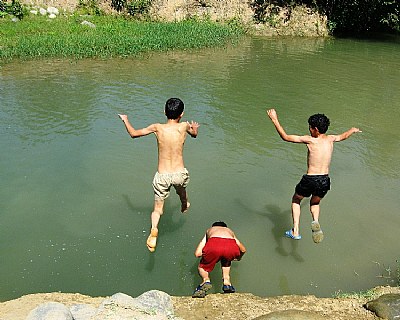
point(157, 212)
point(296, 198)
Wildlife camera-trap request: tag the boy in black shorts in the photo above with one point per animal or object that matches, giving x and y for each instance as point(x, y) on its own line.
point(316, 182)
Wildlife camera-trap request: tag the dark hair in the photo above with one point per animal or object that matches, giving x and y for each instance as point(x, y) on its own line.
point(174, 108)
point(319, 121)
point(219, 224)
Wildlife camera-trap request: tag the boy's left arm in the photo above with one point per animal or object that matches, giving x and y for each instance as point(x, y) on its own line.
point(346, 134)
point(192, 128)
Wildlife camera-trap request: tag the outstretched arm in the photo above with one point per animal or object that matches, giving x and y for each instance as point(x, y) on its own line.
point(286, 137)
point(192, 128)
point(139, 132)
point(346, 134)
point(199, 250)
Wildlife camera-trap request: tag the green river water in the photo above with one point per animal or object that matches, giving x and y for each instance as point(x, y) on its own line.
point(76, 191)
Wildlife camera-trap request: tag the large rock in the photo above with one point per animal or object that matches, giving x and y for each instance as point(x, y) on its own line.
point(291, 315)
point(154, 305)
point(50, 311)
point(386, 306)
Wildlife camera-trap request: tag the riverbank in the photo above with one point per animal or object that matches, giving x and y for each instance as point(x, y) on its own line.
point(72, 29)
point(239, 306)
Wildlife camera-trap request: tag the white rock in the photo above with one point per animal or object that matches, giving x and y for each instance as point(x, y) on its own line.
point(89, 24)
point(42, 11)
point(52, 16)
point(33, 12)
point(52, 10)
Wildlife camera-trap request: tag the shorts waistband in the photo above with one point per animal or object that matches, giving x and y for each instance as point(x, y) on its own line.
point(184, 170)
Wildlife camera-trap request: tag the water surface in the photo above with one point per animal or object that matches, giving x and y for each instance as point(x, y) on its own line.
point(76, 191)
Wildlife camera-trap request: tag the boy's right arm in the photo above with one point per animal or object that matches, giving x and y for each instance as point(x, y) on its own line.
point(286, 137)
point(139, 132)
point(199, 250)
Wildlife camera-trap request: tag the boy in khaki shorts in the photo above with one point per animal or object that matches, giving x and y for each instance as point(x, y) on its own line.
point(316, 183)
point(171, 170)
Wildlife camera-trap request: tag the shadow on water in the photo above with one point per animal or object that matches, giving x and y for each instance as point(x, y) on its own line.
point(280, 220)
point(167, 223)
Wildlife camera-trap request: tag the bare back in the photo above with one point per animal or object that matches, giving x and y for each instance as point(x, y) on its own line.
point(220, 232)
point(320, 151)
point(170, 139)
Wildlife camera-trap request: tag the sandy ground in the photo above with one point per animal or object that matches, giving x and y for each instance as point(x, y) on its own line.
point(217, 306)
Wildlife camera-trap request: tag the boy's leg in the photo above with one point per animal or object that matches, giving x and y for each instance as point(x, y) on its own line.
point(155, 218)
point(226, 275)
point(201, 290)
point(204, 275)
point(227, 286)
point(314, 207)
point(296, 210)
point(317, 234)
point(181, 192)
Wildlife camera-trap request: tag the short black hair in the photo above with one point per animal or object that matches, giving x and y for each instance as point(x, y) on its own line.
point(174, 108)
point(319, 121)
point(219, 224)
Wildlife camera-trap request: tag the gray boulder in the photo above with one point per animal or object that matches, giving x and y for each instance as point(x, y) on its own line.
point(152, 304)
point(291, 315)
point(386, 306)
point(83, 311)
point(50, 311)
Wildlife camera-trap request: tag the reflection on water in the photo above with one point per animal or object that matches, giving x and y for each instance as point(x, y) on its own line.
point(76, 195)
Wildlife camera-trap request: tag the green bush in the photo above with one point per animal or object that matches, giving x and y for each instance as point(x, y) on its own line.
point(138, 7)
point(89, 7)
point(118, 5)
point(14, 8)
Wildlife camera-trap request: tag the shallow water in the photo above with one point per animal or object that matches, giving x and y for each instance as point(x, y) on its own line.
point(76, 190)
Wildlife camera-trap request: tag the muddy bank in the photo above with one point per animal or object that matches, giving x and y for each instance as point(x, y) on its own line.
point(240, 306)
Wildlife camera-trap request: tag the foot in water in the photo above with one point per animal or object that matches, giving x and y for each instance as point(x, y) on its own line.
point(152, 240)
point(185, 207)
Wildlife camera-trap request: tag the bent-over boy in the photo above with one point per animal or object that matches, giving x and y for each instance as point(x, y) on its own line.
point(218, 244)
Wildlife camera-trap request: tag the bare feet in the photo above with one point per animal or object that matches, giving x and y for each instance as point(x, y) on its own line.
point(152, 240)
point(185, 207)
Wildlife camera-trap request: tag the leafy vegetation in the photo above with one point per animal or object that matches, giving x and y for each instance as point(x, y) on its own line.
point(344, 16)
point(14, 8)
point(36, 36)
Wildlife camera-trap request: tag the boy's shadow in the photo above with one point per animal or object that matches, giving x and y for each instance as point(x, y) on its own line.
point(167, 223)
point(279, 220)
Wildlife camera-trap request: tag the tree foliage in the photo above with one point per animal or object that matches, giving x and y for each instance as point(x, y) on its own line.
point(344, 16)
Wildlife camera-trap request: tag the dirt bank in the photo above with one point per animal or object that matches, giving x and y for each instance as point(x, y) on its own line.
point(239, 306)
point(298, 21)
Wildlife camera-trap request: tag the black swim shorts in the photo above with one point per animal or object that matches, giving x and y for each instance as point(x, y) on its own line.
point(316, 185)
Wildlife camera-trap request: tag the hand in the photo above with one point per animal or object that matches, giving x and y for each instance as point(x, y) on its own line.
point(193, 125)
point(272, 114)
point(355, 130)
point(123, 117)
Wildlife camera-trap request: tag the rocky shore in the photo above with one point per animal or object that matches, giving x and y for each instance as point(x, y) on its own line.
point(159, 305)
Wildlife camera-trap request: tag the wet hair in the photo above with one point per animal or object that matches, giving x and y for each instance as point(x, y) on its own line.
point(174, 108)
point(319, 121)
point(219, 224)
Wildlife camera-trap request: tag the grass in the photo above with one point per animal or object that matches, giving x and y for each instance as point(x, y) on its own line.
point(368, 294)
point(65, 37)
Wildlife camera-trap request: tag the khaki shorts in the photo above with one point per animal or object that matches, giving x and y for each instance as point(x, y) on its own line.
point(162, 183)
